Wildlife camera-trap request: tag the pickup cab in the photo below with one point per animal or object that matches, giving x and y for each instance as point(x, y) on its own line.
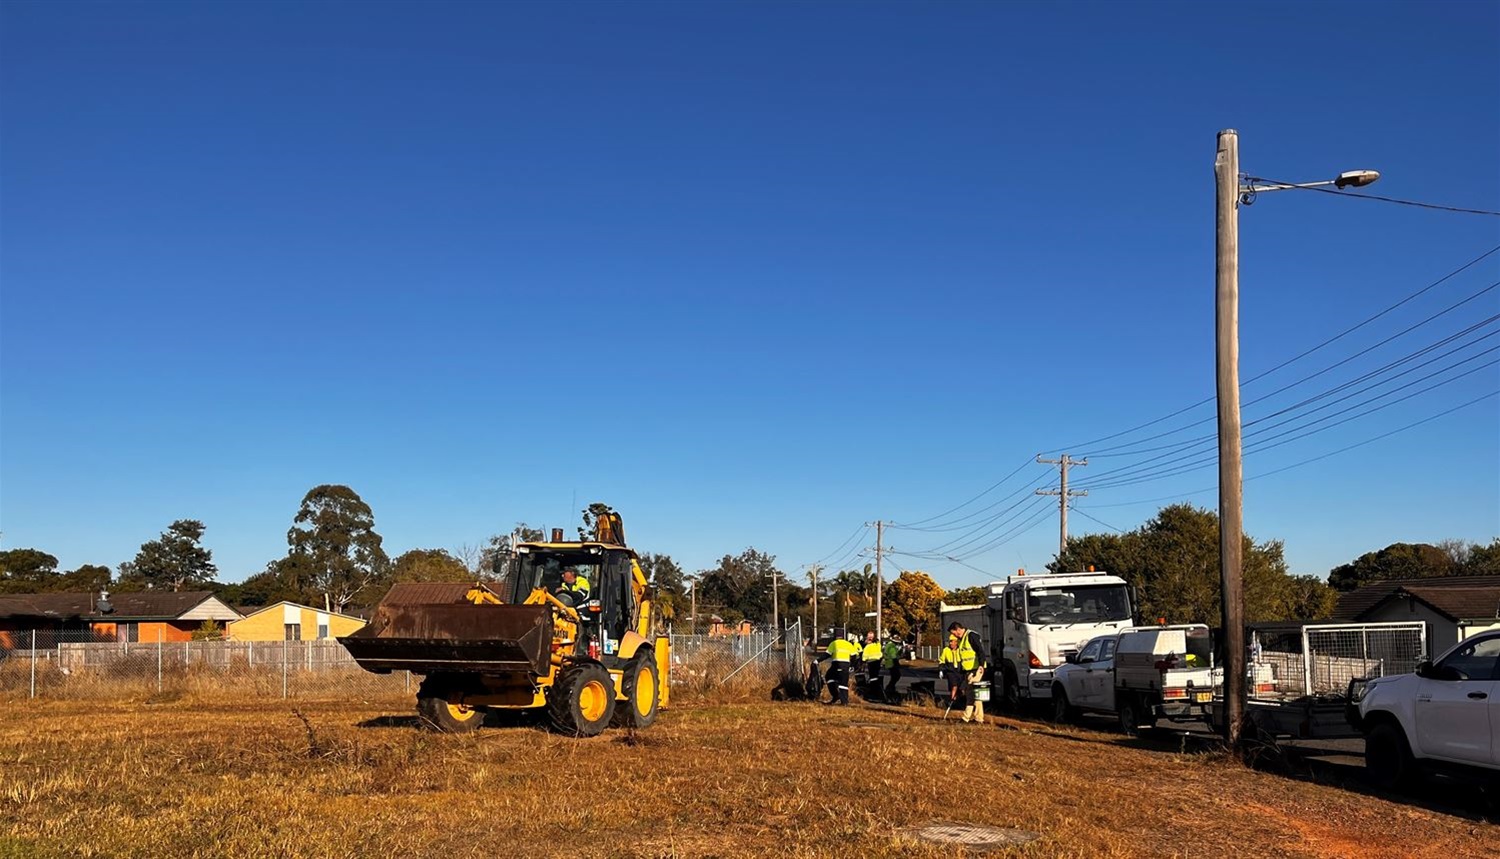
point(1445, 716)
point(1139, 675)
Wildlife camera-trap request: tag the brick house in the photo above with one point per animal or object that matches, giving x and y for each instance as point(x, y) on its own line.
point(146, 616)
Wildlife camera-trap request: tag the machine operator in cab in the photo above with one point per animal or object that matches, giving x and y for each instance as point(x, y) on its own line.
point(574, 585)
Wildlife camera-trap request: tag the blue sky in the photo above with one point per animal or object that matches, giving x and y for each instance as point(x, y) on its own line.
point(752, 273)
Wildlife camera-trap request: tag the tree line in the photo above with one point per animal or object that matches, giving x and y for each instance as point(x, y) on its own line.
point(335, 557)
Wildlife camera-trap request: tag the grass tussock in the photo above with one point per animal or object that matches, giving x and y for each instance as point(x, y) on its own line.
point(185, 779)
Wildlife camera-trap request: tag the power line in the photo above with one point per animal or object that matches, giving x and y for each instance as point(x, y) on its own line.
point(1295, 187)
point(1309, 377)
point(992, 488)
point(1351, 329)
point(857, 531)
point(1100, 521)
point(1204, 441)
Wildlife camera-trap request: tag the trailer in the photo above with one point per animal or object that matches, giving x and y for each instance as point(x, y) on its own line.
point(1299, 676)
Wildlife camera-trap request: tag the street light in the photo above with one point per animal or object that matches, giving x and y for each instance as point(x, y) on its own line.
point(1232, 190)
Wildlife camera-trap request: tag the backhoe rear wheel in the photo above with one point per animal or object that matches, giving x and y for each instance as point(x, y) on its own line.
point(642, 688)
point(582, 701)
point(440, 715)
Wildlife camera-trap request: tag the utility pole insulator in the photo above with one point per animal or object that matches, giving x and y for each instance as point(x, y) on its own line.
point(1063, 494)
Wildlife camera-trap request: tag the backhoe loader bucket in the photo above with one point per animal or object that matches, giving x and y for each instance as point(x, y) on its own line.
point(423, 638)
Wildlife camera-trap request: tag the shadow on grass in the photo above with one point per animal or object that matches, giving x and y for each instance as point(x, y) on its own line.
point(390, 722)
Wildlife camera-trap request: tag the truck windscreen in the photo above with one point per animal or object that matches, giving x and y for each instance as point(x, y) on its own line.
point(1077, 604)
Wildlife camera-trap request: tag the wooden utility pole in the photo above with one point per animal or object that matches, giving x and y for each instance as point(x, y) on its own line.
point(1063, 494)
point(693, 612)
point(1231, 487)
point(775, 603)
point(813, 573)
point(879, 577)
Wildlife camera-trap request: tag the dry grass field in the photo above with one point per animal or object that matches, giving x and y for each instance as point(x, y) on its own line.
point(186, 779)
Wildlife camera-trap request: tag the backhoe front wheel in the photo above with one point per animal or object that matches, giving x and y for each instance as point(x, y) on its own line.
point(582, 701)
point(641, 686)
point(440, 715)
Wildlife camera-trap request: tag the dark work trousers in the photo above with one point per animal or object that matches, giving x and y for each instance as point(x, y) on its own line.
point(838, 682)
point(955, 681)
point(872, 677)
point(890, 684)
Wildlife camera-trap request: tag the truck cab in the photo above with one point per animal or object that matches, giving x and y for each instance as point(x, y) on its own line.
point(1036, 621)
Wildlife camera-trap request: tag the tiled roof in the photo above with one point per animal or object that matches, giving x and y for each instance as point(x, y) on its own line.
point(1473, 596)
point(143, 604)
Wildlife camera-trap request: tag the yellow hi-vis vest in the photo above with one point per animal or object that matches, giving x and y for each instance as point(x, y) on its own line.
point(842, 650)
point(947, 657)
point(580, 585)
point(872, 652)
point(967, 659)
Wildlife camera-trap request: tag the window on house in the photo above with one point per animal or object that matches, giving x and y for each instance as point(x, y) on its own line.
point(294, 632)
point(322, 631)
point(130, 632)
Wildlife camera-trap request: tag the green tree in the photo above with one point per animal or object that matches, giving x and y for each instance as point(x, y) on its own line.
point(666, 578)
point(1483, 560)
point(591, 516)
point(911, 602)
point(1310, 598)
point(971, 595)
point(740, 586)
point(1173, 561)
point(1396, 561)
point(497, 552)
point(174, 561)
point(429, 565)
point(334, 536)
point(25, 571)
point(288, 579)
point(89, 577)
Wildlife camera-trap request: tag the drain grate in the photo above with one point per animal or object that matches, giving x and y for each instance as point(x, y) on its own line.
point(973, 835)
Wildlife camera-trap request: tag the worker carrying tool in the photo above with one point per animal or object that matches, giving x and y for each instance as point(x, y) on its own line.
point(948, 666)
point(840, 651)
point(970, 664)
point(871, 656)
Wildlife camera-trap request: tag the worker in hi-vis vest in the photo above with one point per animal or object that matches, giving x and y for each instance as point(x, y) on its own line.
point(871, 656)
point(969, 660)
point(840, 651)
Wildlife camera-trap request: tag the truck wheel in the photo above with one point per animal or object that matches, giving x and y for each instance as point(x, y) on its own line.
point(1388, 759)
point(1062, 711)
point(1010, 692)
point(582, 700)
point(436, 713)
point(642, 688)
point(1130, 719)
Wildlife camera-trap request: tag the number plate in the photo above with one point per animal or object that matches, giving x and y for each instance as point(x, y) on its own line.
point(1203, 697)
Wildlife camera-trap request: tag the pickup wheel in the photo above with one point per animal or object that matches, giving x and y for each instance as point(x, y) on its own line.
point(1130, 716)
point(1062, 712)
point(1388, 758)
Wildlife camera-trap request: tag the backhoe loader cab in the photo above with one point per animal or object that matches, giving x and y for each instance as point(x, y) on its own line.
point(528, 642)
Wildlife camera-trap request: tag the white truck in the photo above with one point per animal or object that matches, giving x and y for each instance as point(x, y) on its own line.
point(1446, 716)
point(1140, 675)
point(1031, 623)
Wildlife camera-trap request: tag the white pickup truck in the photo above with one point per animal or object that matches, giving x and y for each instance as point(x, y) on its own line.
point(1140, 675)
point(1446, 716)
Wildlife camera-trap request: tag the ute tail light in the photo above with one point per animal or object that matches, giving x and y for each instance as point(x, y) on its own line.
point(1177, 694)
point(1032, 660)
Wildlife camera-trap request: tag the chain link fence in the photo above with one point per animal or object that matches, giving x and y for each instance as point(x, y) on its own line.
point(79, 665)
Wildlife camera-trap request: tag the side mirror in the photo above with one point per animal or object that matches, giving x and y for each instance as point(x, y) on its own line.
point(1424, 668)
point(1070, 657)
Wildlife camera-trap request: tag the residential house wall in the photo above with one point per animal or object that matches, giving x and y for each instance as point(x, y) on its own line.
point(289, 620)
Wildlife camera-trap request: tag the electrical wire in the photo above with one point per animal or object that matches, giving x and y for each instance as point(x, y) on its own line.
point(1100, 521)
point(993, 487)
point(1293, 187)
point(1351, 329)
point(857, 531)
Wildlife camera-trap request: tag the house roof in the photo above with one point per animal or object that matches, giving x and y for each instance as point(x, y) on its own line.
point(143, 605)
point(255, 611)
point(427, 593)
point(1458, 597)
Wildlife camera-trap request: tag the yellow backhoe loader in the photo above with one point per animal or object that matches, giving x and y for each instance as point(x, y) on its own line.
point(579, 646)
